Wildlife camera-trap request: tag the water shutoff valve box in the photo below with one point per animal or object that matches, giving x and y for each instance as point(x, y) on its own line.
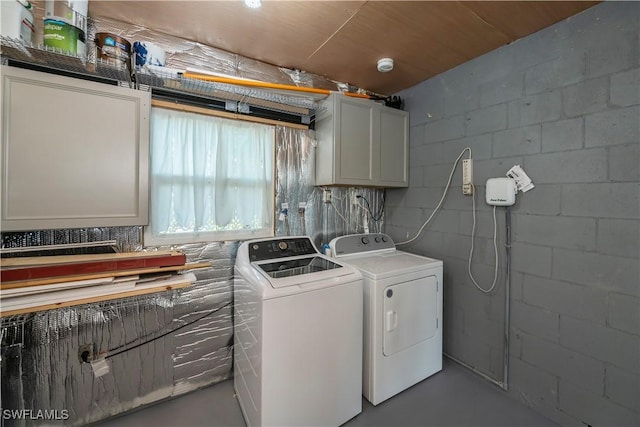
point(501, 191)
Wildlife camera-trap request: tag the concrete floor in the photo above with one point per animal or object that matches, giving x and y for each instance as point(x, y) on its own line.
point(453, 397)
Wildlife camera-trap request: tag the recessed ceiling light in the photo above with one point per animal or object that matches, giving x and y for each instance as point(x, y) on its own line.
point(253, 4)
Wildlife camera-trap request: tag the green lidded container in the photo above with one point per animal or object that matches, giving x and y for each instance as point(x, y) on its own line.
point(62, 35)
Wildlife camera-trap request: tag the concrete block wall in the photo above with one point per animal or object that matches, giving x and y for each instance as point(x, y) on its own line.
point(564, 104)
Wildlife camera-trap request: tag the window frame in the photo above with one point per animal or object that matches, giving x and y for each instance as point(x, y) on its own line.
point(150, 239)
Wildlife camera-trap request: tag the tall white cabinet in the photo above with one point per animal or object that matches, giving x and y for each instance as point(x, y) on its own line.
point(361, 143)
point(75, 153)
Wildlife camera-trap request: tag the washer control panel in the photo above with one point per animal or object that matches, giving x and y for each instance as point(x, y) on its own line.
point(357, 243)
point(280, 248)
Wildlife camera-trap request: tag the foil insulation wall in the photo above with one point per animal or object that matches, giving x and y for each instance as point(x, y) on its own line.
point(157, 346)
point(169, 343)
point(166, 344)
point(321, 221)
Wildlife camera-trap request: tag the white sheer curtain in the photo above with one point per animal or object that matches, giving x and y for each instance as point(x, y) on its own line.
point(211, 178)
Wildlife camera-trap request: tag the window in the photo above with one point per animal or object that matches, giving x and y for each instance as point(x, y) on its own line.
point(211, 178)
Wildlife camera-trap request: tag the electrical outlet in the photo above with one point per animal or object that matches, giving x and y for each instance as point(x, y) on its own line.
point(467, 176)
point(354, 199)
point(326, 196)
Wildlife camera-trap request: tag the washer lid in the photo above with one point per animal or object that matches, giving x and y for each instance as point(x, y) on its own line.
point(299, 271)
point(387, 264)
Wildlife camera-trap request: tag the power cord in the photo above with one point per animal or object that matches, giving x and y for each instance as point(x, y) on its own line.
point(444, 194)
point(130, 346)
point(376, 218)
point(495, 247)
point(473, 229)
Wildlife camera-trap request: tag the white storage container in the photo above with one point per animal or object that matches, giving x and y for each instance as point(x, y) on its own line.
point(17, 20)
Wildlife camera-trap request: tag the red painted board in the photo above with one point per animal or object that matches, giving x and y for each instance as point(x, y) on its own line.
point(29, 273)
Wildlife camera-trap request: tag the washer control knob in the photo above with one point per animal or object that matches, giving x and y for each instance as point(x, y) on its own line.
point(255, 247)
point(377, 239)
point(283, 246)
point(365, 240)
point(384, 239)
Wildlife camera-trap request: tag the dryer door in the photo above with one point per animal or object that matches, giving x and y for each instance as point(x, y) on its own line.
point(410, 313)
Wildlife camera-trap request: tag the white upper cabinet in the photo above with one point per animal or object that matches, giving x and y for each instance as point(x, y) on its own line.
point(74, 153)
point(361, 143)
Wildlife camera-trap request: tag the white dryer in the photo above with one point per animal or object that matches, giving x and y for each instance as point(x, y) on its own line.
point(402, 313)
point(297, 335)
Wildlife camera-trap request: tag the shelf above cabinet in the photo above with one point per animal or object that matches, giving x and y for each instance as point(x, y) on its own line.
point(164, 82)
point(56, 61)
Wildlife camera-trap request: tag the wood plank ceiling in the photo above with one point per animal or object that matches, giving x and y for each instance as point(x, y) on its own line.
point(343, 40)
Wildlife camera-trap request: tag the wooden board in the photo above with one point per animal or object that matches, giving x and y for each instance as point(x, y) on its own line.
point(11, 293)
point(53, 297)
point(61, 279)
point(70, 269)
point(65, 259)
point(147, 288)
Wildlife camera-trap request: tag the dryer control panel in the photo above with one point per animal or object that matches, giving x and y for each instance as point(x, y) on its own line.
point(358, 243)
point(280, 248)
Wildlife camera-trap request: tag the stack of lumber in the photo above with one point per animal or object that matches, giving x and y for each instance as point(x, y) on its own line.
point(29, 284)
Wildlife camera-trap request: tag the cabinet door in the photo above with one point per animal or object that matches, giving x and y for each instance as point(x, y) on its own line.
point(74, 153)
point(394, 143)
point(357, 147)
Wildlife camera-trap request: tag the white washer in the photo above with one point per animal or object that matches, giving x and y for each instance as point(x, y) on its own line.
point(297, 335)
point(402, 313)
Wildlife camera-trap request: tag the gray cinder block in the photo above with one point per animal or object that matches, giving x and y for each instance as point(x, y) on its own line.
point(444, 129)
point(603, 343)
point(531, 259)
point(544, 201)
point(624, 314)
point(559, 72)
point(597, 270)
point(488, 119)
point(535, 321)
point(556, 231)
point(568, 166)
point(517, 141)
point(569, 365)
point(612, 127)
point(594, 409)
point(544, 107)
point(625, 88)
point(563, 135)
point(619, 237)
point(579, 301)
point(603, 200)
point(480, 148)
point(616, 49)
point(623, 386)
point(586, 97)
point(624, 162)
point(460, 100)
point(501, 90)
